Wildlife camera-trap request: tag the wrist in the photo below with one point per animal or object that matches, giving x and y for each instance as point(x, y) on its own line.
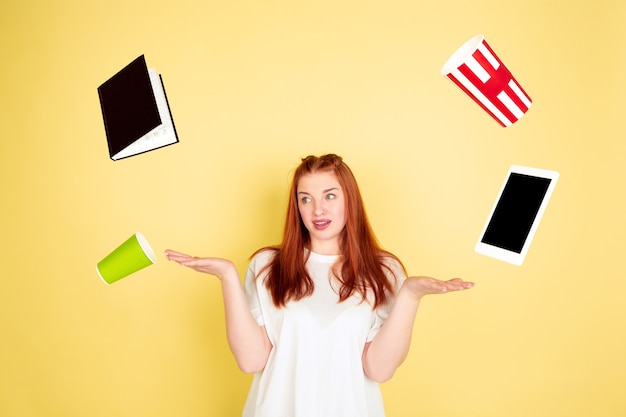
point(410, 291)
point(229, 276)
point(413, 288)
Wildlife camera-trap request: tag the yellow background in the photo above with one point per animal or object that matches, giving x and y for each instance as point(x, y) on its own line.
point(253, 87)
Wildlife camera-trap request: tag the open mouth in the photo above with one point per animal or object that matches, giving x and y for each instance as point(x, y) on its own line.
point(321, 224)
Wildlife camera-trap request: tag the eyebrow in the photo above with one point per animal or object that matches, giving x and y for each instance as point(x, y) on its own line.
point(324, 192)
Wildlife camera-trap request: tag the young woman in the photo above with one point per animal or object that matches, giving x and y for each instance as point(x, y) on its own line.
point(326, 315)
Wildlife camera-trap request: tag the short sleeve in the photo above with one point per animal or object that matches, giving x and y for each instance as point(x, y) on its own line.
point(381, 313)
point(252, 293)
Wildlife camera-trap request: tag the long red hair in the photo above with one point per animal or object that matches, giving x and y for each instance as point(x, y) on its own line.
point(363, 265)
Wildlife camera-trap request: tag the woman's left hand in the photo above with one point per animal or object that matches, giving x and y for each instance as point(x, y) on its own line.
point(420, 286)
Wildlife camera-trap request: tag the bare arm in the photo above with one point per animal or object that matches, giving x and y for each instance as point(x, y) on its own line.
point(389, 348)
point(247, 340)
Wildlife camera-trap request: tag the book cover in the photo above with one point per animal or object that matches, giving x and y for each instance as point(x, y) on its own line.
point(136, 111)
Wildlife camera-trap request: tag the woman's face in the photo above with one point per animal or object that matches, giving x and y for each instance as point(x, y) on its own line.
point(321, 204)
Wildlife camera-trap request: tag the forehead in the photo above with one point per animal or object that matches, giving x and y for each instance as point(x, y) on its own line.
point(318, 181)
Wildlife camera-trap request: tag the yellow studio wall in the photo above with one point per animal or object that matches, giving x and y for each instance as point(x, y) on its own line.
point(254, 86)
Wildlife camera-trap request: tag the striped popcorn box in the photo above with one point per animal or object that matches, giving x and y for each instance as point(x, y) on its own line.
point(477, 70)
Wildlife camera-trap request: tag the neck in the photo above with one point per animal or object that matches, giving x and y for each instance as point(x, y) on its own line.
point(325, 248)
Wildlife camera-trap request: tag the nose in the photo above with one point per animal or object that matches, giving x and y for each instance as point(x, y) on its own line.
point(318, 209)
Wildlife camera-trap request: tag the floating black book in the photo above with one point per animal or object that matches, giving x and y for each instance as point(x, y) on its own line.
point(136, 112)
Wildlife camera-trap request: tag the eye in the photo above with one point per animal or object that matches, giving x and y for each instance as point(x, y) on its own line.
point(305, 200)
point(331, 196)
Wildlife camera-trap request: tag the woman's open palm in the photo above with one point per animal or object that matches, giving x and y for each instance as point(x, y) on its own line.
point(213, 266)
point(421, 285)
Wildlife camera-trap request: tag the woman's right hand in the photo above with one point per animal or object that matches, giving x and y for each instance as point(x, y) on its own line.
point(221, 268)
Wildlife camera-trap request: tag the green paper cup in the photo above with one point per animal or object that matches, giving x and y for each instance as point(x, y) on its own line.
point(129, 257)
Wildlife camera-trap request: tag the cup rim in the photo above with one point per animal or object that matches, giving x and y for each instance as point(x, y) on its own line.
point(145, 246)
point(458, 57)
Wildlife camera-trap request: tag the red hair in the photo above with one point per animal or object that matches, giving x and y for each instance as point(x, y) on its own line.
point(362, 266)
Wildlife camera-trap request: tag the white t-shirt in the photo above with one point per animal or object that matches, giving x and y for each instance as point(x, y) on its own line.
point(314, 368)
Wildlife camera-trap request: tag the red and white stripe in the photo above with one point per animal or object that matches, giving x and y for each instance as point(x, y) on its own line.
point(485, 78)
